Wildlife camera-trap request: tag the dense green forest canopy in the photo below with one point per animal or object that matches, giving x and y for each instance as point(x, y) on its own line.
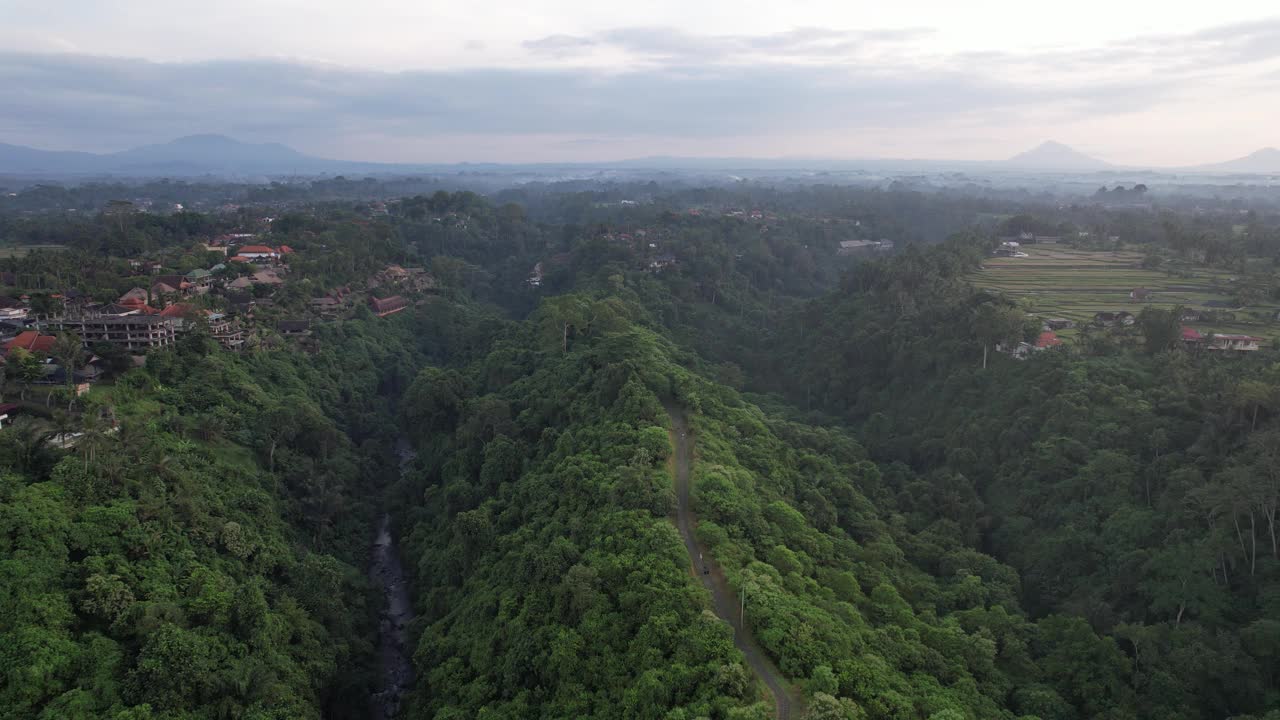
point(919, 528)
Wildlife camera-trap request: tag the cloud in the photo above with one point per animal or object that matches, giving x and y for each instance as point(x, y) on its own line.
point(801, 83)
point(675, 46)
point(559, 44)
point(134, 100)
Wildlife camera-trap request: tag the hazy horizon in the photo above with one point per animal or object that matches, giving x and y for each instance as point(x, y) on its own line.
point(576, 82)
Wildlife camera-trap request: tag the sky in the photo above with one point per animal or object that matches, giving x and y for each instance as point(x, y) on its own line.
point(1133, 82)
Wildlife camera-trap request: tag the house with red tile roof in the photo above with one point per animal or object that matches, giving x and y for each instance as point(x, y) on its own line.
point(1047, 339)
point(254, 252)
point(31, 341)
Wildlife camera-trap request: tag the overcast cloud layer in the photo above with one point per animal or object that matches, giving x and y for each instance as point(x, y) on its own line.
point(1158, 98)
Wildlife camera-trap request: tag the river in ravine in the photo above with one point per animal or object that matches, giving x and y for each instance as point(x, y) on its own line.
point(395, 659)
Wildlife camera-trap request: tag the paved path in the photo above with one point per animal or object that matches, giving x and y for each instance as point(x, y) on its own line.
point(724, 600)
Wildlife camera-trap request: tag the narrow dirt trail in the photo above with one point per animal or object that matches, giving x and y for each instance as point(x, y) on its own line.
point(723, 600)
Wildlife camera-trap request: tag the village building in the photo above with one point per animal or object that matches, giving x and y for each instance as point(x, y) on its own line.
point(1023, 350)
point(118, 310)
point(535, 276)
point(14, 313)
point(31, 341)
point(383, 307)
point(201, 280)
point(1059, 324)
point(662, 262)
point(419, 280)
point(855, 247)
point(1140, 295)
point(294, 328)
point(136, 333)
point(135, 297)
point(170, 286)
point(225, 331)
point(266, 276)
point(1233, 342)
point(183, 315)
point(10, 330)
point(258, 252)
point(327, 305)
point(1113, 319)
point(1046, 340)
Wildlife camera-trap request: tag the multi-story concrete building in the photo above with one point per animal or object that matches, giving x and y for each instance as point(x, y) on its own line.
point(136, 333)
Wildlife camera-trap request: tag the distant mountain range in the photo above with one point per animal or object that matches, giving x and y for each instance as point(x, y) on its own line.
point(1052, 155)
point(1265, 161)
point(218, 155)
point(193, 155)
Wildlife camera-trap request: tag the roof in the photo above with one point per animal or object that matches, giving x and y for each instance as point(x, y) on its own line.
point(176, 310)
point(288, 326)
point(238, 258)
point(1048, 339)
point(176, 281)
point(1228, 336)
point(387, 304)
point(126, 320)
point(267, 277)
point(286, 249)
point(1190, 333)
point(199, 273)
point(117, 309)
point(136, 296)
point(256, 249)
point(33, 341)
point(8, 302)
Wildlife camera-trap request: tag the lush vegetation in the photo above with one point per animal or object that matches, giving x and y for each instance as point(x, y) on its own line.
point(197, 553)
point(922, 528)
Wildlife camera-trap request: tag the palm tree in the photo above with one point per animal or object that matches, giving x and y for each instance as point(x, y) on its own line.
point(69, 351)
point(29, 444)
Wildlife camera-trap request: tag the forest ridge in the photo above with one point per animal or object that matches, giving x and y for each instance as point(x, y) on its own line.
point(915, 522)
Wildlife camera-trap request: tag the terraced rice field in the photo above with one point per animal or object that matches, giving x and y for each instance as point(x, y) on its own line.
point(1063, 282)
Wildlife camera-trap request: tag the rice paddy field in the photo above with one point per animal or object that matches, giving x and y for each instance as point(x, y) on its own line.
point(1057, 281)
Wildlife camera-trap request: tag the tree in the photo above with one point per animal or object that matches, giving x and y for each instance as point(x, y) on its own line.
point(995, 324)
point(69, 351)
point(43, 305)
point(1161, 329)
point(25, 367)
point(562, 314)
point(1252, 396)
